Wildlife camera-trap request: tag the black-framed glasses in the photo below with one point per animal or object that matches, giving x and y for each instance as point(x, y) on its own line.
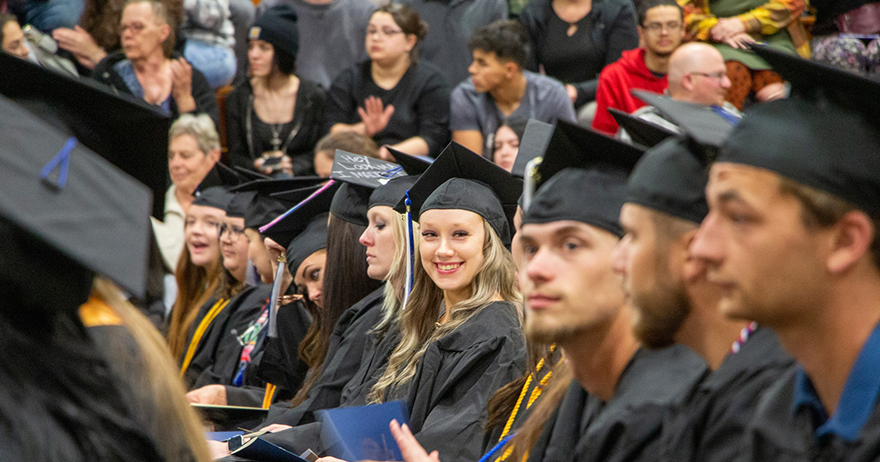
point(235, 231)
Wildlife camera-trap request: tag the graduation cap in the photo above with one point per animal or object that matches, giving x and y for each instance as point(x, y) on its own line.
point(312, 238)
point(671, 178)
point(271, 186)
point(250, 175)
point(641, 131)
point(288, 225)
point(360, 175)
point(532, 144)
point(583, 178)
point(826, 135)
point(213, 191)
point(73, 200)
point(412, 165)
point(462, 179)
point(123, 129)
point(708, 125)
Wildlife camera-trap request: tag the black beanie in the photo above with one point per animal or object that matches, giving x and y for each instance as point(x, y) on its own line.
point(277, 25)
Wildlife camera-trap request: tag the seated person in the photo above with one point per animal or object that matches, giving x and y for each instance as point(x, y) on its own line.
point(193, 149)
point(696, 75)
point(499, 88)
point(506, 143)
point(146, 69)
point(325, 150)
point(660, 29)
point(572, 40)
point(730, 26)
point(331, 35)
point(12, 38)
point(393, 97)
point(275, 114)
point(209, 35)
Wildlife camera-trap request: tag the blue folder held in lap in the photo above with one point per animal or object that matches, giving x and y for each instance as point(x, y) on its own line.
point(362, 433)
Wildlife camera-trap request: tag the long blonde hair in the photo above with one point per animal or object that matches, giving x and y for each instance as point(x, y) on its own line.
point(495, 277)
point(159, 394)
point(393, 301)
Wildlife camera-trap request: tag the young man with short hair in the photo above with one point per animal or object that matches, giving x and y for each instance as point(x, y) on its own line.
point(499, 88)
point(791, 240)
point(661, 30)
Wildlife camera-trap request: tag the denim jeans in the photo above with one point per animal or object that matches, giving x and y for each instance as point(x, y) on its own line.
point(216, 62)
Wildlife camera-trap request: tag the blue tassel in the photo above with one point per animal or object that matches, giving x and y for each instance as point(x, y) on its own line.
point(488, 456)
point(62, 159)
point(410, 249)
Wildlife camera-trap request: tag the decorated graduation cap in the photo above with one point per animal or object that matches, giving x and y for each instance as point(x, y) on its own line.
point(125, 130)
point(462, 180)
point(671, 178)
point(708, 125)
point(73, 200)
point(641, 131)
point(826, 135)
point(360, 175)
point(582, 178)
point(532, 145)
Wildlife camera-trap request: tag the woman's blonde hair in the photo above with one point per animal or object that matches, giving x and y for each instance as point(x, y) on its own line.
point(495, 278)
point(159, 395)
point(396, 277)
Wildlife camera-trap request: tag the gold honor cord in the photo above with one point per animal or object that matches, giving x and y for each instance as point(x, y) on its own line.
point(200, 331)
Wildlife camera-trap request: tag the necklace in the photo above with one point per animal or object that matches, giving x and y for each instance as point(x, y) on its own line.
point(276, 136)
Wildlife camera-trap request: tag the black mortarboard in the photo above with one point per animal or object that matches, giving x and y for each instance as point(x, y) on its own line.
point(462, 180)
point(123, 129)
point(250, 175)
point(71, 199)
point(219, 175)
point(704, 123)
point(412, 165)
point(287, 226)
point(270, 186)
point(532, 144)
point(391, 193)
point(642, 132)
point(256, 207)
point(216, 196)
point(671, 178)
point(361, 175)
point(213, 191)
point(583, 178)
point(826, 135)
point(311, 239)
point(575, 146)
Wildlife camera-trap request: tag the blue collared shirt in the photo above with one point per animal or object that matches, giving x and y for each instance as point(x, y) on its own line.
point(857, 400)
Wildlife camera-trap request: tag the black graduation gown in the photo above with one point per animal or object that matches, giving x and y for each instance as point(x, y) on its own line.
point(222, 350)
point(566, 426)
point(373, 363)
point(776, 434)
point(710, 426)
point(458, 374)
point(629, 424)
point(280, 363)
point(59, 399)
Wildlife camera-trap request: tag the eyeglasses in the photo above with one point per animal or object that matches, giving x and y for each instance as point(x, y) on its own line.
point(656, 27)
point(385, 32)
point(235, 232)
point(720, 75)
point(136, 28)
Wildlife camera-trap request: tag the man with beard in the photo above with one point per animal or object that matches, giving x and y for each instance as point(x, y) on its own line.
point(675, 304)
point(575, 300)
point(791, 239)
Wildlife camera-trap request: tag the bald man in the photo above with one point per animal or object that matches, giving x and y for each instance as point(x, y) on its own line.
point(696, 75)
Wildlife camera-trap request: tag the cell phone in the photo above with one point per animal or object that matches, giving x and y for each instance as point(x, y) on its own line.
point(271, 161)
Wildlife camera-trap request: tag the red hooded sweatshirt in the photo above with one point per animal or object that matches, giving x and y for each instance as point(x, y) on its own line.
point(615, 82)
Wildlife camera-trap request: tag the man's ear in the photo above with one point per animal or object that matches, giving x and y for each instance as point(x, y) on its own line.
point(511, 69)
point(166, 31)
point(849, 240)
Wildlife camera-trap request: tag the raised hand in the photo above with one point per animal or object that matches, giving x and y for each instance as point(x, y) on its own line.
point(374, 116)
